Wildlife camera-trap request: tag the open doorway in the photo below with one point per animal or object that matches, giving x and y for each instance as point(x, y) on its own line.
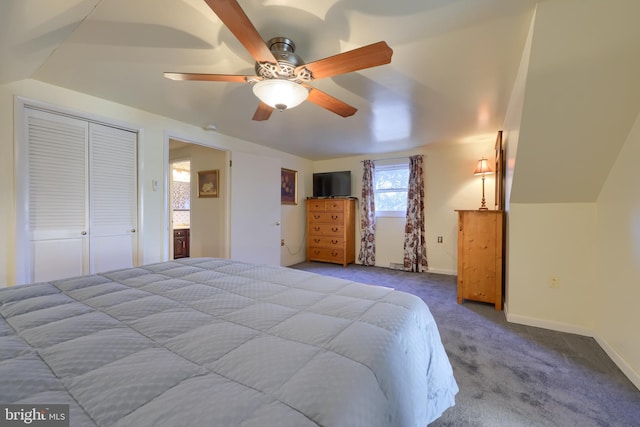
point(180, 182)
point(199, 228)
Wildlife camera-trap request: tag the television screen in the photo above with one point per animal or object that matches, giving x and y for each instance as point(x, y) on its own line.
point(332, 184)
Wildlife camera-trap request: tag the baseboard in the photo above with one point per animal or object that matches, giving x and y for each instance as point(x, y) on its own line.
point(548, 324)
point(628, 371)
point(633, 376)
point(442, 271)
point(400, 266)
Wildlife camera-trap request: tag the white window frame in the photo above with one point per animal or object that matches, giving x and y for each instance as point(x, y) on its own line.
point(382, 166)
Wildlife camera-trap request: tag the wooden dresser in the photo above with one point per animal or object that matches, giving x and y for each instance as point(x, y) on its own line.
point(480, 251)
point(331, 230)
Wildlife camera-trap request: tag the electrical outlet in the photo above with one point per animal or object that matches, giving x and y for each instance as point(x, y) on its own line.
point(554, 282)
point(281, 242)
point(440, 239)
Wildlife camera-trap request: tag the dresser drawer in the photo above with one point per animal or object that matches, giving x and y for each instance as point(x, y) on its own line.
point(316, 205)
point(337, 217)
point(334, 205)
point(326, 242)
point(329, 205)
point(326, 254)
point(326, 229)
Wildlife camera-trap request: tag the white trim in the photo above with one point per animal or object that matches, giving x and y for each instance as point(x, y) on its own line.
point(442, 271)
point(168, 134)
point(56, 109)
point(627, 369)
point(391, 214)
point(548, 324)
point(21, 244)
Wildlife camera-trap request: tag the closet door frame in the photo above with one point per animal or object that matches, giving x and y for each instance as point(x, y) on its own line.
point(22, 256)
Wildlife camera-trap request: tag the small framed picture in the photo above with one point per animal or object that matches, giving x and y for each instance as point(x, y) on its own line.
point(288, 187)
point(208, 183)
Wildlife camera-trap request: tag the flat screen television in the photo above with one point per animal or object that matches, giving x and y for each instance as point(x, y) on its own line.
point(332, 184)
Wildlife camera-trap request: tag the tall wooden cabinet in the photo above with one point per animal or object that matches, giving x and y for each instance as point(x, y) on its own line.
point(331, 230)
point(480, 251)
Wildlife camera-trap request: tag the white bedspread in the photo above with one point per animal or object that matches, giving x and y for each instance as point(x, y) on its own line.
point(210, 342)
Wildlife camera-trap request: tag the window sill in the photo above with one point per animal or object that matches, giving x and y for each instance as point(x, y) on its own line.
point(390, 214)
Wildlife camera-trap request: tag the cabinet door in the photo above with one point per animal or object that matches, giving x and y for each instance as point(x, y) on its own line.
point(57, 211)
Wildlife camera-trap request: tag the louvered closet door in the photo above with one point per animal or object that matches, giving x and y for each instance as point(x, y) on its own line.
point(56, 205)
point(113, 198)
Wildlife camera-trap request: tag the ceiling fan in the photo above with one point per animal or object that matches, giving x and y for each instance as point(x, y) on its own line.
point(282, 78)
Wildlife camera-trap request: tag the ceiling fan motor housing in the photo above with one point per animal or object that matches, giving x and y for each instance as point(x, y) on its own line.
point(283, 50)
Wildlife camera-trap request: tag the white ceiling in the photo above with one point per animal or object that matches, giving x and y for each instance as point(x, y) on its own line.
point(450, 77)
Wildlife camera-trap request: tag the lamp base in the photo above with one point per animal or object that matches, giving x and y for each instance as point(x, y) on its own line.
point(483, 208)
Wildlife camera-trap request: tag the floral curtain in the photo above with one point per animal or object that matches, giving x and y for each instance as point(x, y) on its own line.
point(415, 248)
point(367, 254)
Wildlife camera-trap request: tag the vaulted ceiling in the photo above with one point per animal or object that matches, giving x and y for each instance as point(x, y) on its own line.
point(453, 67)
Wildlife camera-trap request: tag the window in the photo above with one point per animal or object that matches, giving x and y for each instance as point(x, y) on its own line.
point(391, 187)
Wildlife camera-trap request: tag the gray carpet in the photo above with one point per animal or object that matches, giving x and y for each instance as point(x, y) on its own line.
point(508, 374)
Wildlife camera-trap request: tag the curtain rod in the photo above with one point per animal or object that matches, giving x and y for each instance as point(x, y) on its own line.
point(389, 158)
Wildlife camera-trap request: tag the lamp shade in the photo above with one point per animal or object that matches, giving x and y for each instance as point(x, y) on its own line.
point(483, 167)
point(280, 94)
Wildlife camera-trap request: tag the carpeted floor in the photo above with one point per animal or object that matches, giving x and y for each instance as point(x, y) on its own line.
point(508, 374)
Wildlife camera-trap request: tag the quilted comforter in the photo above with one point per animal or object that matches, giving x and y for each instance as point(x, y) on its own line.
point(211, 342)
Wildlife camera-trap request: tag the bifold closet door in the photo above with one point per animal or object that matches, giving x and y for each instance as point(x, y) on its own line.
point(113, 213)
point(81, 182)
point(57, 184)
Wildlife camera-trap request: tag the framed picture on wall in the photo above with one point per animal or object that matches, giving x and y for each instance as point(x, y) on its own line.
point(499, 199)
point(288, 187)
point(208, 183)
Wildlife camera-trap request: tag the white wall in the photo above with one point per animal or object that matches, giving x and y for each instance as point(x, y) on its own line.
point(152, 164)
point(449, 185)
point(552, 240)
point(617, 256)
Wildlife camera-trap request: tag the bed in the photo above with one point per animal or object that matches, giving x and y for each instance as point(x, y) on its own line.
point(213, 342)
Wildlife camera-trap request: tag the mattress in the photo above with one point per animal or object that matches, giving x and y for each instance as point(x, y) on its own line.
point(212, 342)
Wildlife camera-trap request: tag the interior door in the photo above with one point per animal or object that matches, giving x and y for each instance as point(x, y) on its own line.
point(112, 198)
point(255, 209)
point(55, 208)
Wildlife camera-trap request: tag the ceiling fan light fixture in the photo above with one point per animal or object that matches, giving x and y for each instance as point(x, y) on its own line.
point(280, 94)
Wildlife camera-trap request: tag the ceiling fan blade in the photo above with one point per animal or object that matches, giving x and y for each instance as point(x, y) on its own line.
point(353, 60)
point(209, 77)
point(263, 112)
point(232, 15)
point(330, 103)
